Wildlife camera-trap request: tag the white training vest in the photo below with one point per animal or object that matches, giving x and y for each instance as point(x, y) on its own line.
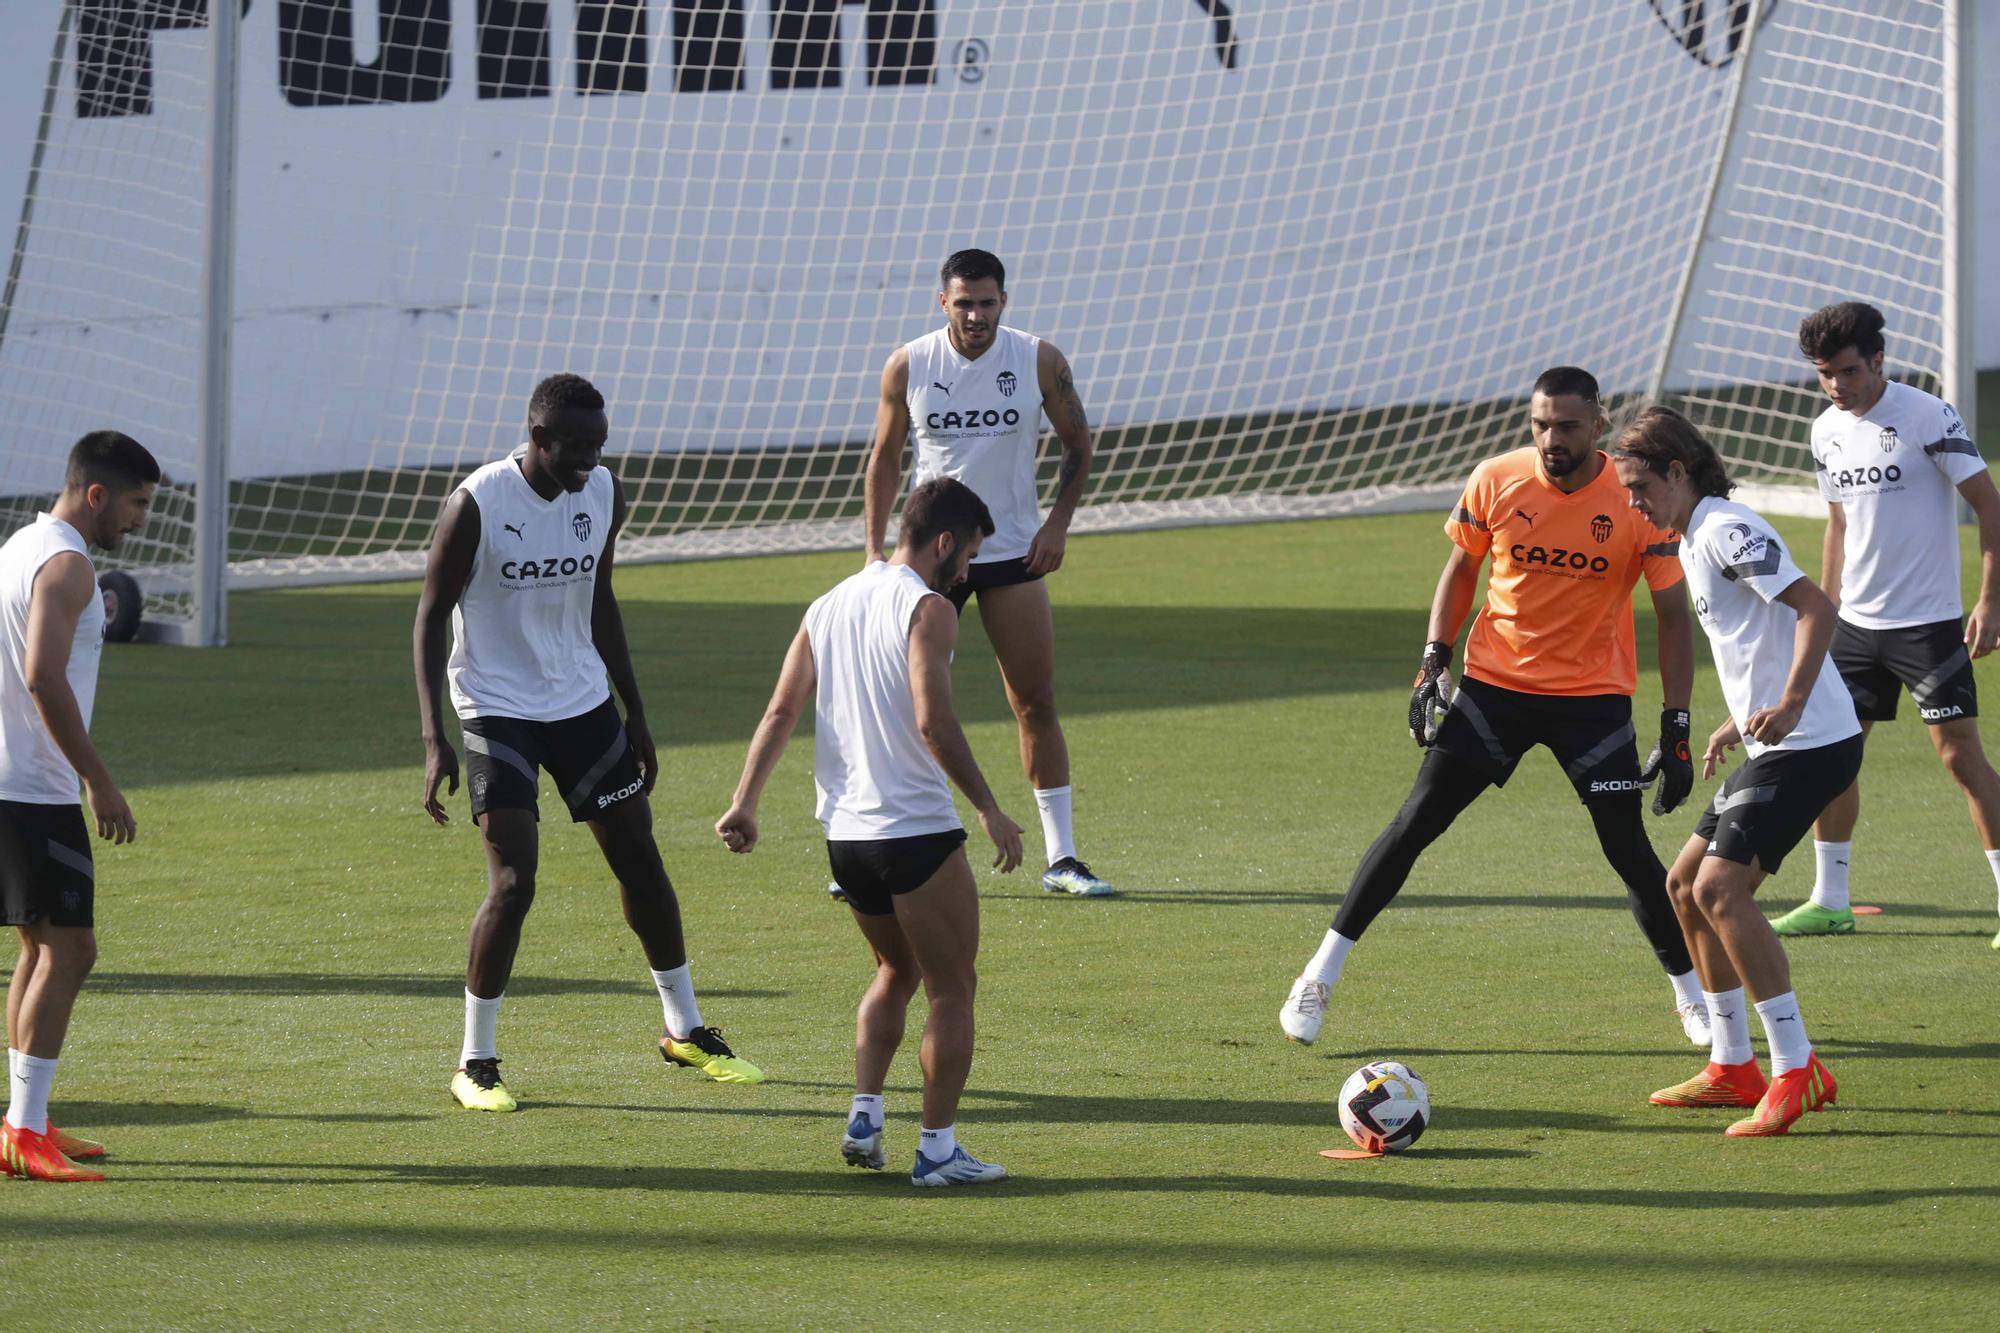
point(875, 776)
point(521, 641)
point(981, 422)
point(32, 768)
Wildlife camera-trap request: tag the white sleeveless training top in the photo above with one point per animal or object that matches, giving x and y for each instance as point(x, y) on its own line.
point(32, 768)
point(875, 776)
point(521, 642)
point(980, 422)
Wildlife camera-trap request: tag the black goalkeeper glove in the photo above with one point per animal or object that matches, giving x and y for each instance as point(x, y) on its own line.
point(1670, 762)
point(1432, 697)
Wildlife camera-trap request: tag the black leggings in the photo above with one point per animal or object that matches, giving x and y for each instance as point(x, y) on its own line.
point(1446, 785)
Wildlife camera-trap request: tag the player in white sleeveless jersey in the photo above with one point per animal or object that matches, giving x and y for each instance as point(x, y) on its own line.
point(520, 569)
point(873, 658)
point(970, 396)
point(1768, 628)
point(1893, 461)
point(51, 637)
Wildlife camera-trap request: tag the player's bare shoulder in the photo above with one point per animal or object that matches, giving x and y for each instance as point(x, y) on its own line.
point(896, 373)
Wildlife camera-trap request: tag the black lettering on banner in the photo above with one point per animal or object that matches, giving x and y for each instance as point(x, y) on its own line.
point(805, 42)
point(114, 51)
point(513, 48)
point(316, 63)
point(610, 47)
point(708, 46)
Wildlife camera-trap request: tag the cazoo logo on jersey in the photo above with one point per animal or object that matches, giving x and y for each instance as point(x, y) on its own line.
point(969, 419)
point(549, 567)
point(1558, 557)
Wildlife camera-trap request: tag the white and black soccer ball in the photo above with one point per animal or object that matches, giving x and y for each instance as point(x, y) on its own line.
point(1384, 1106)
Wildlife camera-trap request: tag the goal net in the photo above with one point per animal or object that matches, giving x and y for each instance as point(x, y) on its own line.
point(1305, 255)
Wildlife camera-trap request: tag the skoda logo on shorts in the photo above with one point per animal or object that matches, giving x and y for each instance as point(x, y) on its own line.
point(582, 525)
point(1007, 383)
point(1889, 439)
point(1600, 528)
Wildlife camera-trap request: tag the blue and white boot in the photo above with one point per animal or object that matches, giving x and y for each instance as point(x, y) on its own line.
point(961, 1168)
point(1073, 877)
point(862, 1144)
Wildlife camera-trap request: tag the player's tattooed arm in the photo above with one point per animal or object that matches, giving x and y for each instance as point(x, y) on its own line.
point(1065, 412)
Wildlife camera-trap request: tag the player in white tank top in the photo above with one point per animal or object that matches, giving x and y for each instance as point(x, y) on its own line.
point(51, 639)
point(873, 657)
point(970, 396)
point(1893, 462)
point(520, 569)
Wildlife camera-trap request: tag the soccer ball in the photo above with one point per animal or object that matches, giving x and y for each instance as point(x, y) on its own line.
point(1384, 1106)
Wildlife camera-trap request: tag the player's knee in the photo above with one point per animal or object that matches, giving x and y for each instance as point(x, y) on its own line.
point(1036, 709)
point(1965, 761)
point(899, 979)
point(73, 953)
point(1680, 890)
point(511, 892)
point(1714, 895)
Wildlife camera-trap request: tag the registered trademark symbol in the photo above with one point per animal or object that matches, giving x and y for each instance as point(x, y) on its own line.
point(972, 59)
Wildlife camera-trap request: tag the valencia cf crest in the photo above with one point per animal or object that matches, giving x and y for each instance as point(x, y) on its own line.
point(1006, 381)
point(1889, 439)
point(581, 523)
point(1600, 528)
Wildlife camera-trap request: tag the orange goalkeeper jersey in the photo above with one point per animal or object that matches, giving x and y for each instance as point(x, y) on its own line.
point(1558, 614)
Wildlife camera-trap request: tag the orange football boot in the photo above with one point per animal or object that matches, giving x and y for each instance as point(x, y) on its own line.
point(72, 1147)
point(1717, 1085)
point(1790, 1096)
point(33, 1156)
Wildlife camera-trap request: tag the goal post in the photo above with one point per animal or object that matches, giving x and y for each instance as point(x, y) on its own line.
point(1305, 255)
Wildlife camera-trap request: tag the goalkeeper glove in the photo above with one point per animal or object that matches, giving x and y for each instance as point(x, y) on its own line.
point(1670, 762)
point(1432, 698)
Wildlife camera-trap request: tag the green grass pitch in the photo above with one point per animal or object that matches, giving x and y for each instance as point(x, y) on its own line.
point(276, 1012)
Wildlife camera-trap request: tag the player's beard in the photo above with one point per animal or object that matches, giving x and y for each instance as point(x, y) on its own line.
point(1560, 462)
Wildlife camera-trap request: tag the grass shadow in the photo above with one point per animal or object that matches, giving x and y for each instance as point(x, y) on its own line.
point(451, 986)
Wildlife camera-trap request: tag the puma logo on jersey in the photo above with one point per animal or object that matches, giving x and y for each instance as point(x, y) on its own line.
point(516, 531)
point(1522, 513)
point(940, 384)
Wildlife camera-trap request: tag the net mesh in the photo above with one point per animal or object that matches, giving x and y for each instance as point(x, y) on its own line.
point(1305, 256)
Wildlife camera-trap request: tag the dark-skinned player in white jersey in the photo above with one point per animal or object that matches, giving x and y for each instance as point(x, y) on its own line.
point(969, 397)
point(520, 573)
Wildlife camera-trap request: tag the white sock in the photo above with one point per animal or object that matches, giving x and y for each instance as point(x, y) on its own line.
point(1729, 1027)
point(869, 1105)
point(676, 987)
point(482, 1017)
point(1687, 988)
point(1993, 860)
point(1058, 837)
point(29, 1080)
point(939, 1144)
point(1332, 956)
point(12, 1056)
point(1786, 1031)
point(1830, 874)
